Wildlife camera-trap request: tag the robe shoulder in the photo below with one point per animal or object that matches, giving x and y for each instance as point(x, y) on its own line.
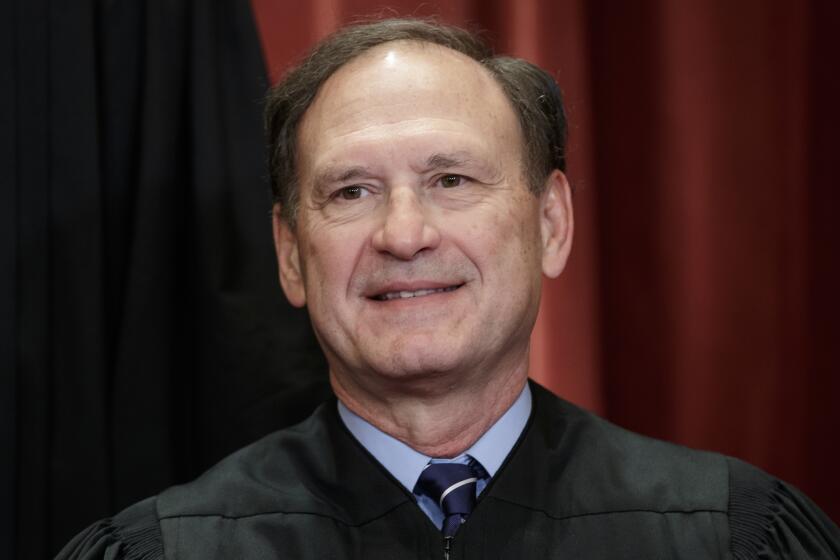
point(608, 470)
point(771, 519)
point(133, 534)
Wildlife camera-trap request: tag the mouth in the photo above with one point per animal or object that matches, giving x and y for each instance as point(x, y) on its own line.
point(408, 294)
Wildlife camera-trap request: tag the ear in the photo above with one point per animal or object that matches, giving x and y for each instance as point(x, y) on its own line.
point(556, 223)
point(288, 259)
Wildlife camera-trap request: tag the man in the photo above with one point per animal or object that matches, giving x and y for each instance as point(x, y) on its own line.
point(420, 196)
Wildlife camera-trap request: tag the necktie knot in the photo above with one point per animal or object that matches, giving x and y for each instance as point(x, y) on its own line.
point(452, 487)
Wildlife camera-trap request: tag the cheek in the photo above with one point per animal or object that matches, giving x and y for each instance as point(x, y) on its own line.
point(332, 267)
point(321, 267)
point(526, 227)
point(331, 264)
point(502, 252)
point(510, 234)
point(529, 242)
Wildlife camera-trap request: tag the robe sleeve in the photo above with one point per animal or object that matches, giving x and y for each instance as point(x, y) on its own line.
point(134, 534)
point(769, 519)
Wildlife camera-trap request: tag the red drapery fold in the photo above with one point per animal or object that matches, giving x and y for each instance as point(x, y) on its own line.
point(700, 302)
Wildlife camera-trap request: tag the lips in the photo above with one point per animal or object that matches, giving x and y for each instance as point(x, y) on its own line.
point(406, 294)
point(398, 291)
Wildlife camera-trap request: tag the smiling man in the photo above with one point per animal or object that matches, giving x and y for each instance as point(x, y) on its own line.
point(417, 244)
point(420, 198)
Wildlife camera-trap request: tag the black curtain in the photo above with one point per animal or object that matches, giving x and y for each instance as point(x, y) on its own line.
point(143, 331)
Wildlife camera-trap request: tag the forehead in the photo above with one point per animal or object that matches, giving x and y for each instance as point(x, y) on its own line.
point(408, 92)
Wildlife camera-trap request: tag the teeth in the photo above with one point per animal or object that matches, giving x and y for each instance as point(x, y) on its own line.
point(418, 293)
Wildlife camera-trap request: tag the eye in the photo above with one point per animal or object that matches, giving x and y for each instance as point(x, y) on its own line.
point(352, 192)
point(449, 181)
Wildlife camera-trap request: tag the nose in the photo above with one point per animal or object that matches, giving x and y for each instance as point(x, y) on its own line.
point(406, 229)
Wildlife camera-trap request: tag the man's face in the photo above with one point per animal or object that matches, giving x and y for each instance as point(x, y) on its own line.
point(418, 248)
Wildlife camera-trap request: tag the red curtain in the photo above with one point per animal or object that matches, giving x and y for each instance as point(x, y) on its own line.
point(700, 304)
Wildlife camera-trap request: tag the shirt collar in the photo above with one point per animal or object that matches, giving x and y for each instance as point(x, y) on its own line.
point(405, 464)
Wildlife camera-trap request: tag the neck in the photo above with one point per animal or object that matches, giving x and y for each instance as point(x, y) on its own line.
point(442, 420)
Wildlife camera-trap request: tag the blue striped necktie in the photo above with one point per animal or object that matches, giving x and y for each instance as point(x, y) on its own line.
point(452, 487)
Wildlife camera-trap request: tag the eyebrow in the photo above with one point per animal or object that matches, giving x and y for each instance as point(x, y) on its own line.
point(451, 161)
point(478, 167)
point(341, 174)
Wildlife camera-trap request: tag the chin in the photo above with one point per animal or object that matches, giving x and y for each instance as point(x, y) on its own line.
point(417, 364)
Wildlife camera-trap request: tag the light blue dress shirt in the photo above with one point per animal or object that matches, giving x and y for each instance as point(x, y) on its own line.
point(405, 464)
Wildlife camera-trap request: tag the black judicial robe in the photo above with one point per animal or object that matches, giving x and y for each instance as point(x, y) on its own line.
point(575, 486)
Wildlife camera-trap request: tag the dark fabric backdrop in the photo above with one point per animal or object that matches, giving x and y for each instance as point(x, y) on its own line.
point(142, 332)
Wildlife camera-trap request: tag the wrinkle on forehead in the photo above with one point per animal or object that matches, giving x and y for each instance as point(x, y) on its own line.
point(390, 113)
point(401, 80)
